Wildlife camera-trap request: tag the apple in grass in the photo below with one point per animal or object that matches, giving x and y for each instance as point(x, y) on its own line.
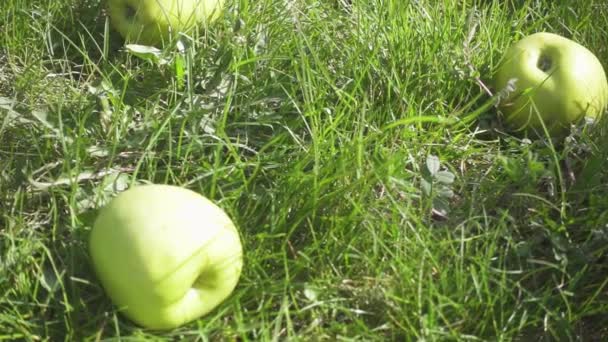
point(165, 255)
point(556, 80)
point(153, 22)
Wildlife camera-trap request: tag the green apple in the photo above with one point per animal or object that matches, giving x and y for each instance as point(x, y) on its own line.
point(165, 255)
point(153, 22)
point(556, 80)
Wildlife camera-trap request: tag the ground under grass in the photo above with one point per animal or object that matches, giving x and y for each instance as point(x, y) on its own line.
point(353, 143)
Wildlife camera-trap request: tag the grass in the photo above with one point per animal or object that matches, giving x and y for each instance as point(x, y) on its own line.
point(377, 194)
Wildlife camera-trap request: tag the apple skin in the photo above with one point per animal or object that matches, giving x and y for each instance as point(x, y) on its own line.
point(567, 82)
point(165, 255)
point(152, 22)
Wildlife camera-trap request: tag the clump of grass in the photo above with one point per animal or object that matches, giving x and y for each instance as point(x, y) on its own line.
point(340, 138)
